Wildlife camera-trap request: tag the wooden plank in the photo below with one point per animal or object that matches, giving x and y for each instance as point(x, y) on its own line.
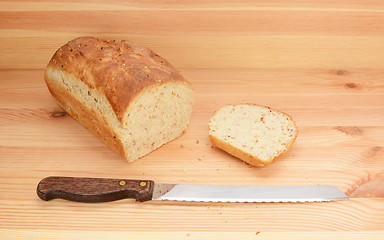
point(300, 166)
point(224, 235)
point(221, 51)
point(309, 82)
point(126, 215)
point(297, 5)
point(200, 21)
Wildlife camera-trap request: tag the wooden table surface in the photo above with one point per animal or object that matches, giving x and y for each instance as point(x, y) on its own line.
point(319, 61)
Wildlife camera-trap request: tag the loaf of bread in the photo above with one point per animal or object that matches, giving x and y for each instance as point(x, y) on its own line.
point(127, 95)
point(257, 135)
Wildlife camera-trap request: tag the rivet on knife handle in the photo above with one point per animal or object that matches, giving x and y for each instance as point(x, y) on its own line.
point(94, 189)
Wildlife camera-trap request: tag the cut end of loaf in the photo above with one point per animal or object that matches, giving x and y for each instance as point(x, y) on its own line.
point(257, 135)
point(159, 115)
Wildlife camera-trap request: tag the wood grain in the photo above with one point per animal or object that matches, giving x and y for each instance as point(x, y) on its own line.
point(363, 214)
point(78, 234)
point(319, 61)
point(220, 50)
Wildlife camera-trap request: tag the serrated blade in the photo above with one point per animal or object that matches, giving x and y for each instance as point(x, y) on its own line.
point(217, 193)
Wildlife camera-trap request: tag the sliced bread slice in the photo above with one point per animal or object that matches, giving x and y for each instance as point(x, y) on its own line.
point(256, 134)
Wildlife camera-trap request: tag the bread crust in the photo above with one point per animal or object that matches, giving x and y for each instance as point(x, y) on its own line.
point(119, 70)
point(245, 156)
point(98, 126)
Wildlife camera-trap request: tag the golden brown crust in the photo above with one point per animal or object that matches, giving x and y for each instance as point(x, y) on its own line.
point(244, 156)
point(118, 70)
point(77, 109)
point(234, 151)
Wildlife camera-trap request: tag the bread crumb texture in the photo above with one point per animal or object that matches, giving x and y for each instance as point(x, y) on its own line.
point(256, 134)
point(127, 95)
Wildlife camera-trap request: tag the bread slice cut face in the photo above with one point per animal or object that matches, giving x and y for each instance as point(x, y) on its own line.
point(255, 134)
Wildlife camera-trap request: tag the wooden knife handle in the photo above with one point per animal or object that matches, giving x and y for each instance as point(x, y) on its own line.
point(94, 189)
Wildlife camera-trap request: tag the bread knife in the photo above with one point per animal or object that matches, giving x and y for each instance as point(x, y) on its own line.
point(105, 189)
